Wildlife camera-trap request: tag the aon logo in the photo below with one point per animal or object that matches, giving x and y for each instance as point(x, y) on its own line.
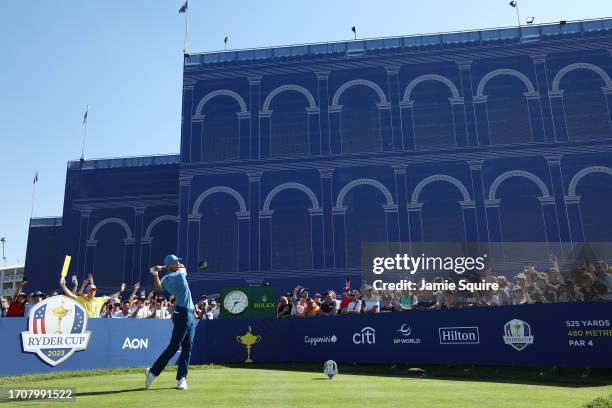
point(135, 344)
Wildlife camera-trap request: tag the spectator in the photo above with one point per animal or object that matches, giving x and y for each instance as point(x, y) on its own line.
point(519, 297)
point(214, 311)
point(311, 309)
point(407, 301)
point(387, 305)
point(317, 299)
point(371, 301)
point(283, 309)
point(33, 298)
point(17, 305)
point(569, 292)
point(346, 299)
point(355, 304)
point(520, 280)
point(329, 307)
point(503, 293)
point(587, 287)
point(139, 308)
point(122, 312)
point(90, 302)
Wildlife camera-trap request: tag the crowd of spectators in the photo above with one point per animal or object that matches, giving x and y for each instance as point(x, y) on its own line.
point(139, 304)
point(590, 282)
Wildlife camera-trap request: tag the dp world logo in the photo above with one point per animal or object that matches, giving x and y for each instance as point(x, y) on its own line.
point(518, 334)
point(56, 329)
point(407, 338)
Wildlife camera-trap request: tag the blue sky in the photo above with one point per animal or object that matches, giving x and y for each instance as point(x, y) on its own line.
point(123, 59)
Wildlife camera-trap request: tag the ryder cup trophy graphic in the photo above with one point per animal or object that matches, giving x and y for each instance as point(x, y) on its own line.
point(60, 313)
point(248, 340)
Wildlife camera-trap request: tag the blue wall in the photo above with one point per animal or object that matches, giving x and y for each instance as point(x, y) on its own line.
point(43, 257)
point(482, 136)
point(292, 156)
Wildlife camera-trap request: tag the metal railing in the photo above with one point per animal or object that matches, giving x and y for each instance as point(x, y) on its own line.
point(46, 222)
point(117, 162)
point(525, 33)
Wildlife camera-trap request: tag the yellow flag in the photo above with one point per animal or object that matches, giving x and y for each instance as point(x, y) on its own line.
point(66, 266)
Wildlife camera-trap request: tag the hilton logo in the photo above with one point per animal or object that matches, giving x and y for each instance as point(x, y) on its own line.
point(459, 335)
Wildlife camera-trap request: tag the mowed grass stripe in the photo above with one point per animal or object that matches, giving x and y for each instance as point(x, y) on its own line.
point(241, 387)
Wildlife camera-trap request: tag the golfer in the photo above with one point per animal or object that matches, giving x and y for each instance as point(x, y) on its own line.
point(175, 282)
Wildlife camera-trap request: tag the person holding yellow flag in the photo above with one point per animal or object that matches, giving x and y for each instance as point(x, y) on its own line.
point(90, 302)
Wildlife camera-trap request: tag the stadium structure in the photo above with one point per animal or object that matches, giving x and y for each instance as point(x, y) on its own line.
point(293, 156)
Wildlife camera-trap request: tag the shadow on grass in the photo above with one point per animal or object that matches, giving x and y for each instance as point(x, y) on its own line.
point(548, 376)
point(110, 392)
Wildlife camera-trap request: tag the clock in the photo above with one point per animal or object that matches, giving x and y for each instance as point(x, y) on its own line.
point(236, 302)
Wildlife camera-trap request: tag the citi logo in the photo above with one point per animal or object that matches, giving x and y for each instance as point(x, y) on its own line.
point(459, 335)
point(367, 335)
point(135, 344)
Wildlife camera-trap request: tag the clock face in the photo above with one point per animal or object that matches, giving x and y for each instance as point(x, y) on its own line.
point(235, 302)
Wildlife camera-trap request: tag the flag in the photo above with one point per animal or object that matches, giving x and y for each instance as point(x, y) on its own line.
point(35, 177)
point(85, 115)
point(38, 324)
point(184, 7)
point(347, 284)
point(513, 3)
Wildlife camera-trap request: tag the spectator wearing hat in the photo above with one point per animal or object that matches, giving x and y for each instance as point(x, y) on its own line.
point(317, 299)
point(355, 304)
point(142, 307)
point(119, 310)
point(371, 301)
point(300, 304)
point(89, 301)
point(34, 298)
point(17, 305)
point(214, 309)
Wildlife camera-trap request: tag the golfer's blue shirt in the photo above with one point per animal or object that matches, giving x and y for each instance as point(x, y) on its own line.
point(176, 284)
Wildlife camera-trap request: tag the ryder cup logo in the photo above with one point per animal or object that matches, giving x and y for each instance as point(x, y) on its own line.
point(518, 334)
point(56, 329)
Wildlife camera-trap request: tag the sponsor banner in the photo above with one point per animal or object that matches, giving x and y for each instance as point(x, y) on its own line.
point(102, 343)
point(563, 334)
point(459, 335)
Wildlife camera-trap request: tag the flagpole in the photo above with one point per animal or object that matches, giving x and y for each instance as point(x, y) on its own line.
point(186, 46)
point(85, 136)
point(34, 194)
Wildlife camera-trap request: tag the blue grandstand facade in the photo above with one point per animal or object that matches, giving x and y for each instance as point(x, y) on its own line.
point(292, 157)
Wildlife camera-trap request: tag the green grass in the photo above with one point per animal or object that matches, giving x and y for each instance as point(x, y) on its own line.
point(305, 386)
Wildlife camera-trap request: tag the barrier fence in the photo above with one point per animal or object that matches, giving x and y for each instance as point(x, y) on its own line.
point(564, 334)
point(561, 334)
